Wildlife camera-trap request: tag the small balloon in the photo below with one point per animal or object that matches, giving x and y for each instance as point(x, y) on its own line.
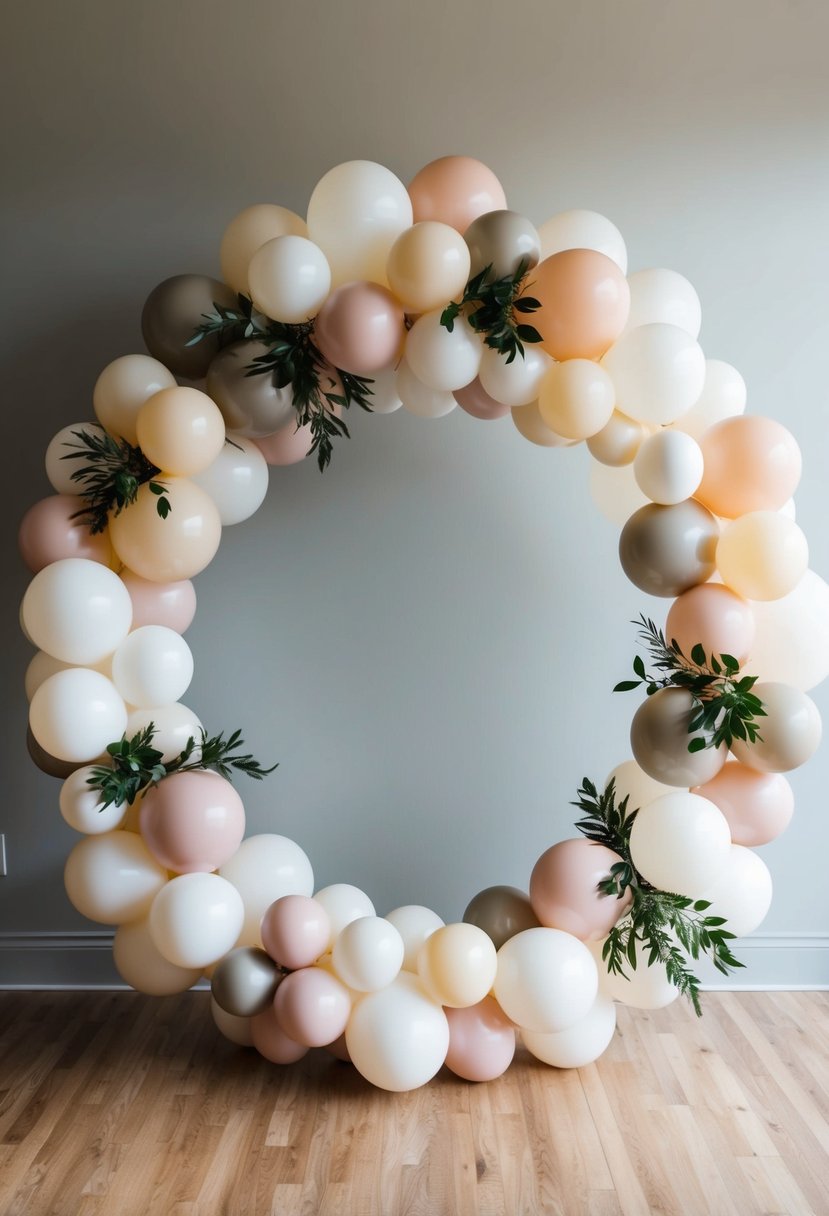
point(249, 231)
point(312, 1007)
point(585, 301)
point(428, 266)
point(245, 981)
point(481, 1041)
point(398, 1038)
point(790, 732)
point(618, 442)
point(172, 314)
point(476, 401)
point(140, 964)
point(742, 893)
point(455, 190)
point(564, 889)
point(414, 923)
point(668, 467)
point(113, 878)
point(192, 822)
point(251, 405)
point(237, 480)
point(120, 391)
point(713, 617)
point(49, 531)
point(171, 548)
point(665, 550)
point(658, 371)
point(751, 464)
point(457, 965)
point(680, 842)
point(360, 329)
point(172, 605)
point(546, 979)
point(578, 1045)
point(580, 229)
point(296, 931)
point(762, 556)
point(758, 806)
point(264, 868)
point(289, 279)
point(659, 295)
point(503, 241)
point(723, 395)
point(501, 912)
point(659, 739)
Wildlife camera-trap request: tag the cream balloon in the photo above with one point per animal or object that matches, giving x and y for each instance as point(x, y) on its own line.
point(414, 923)
point(618, 442)
point(576, 398)
point(546, 980)
point(723, 395)
point(344, 904)
point(428, 265)
point(578, 1045)
point(43, 665)
point(237, 1030)
point(368, 954)
point(152, 666)
point(237, 480)
point(742, 893)
point(580, 229)
point(166, 550)
point(289, 279)
point(632, 782)
point(615, 492)
point(418, 399)
point(658, 371)
point(442, 360)
point(181, 430)
point(385, 398)
point(457, 965)
point(762, 555)
point(123, 387)
point(791, 640)
point(141, 965)
point(680, 842)
point(642, 987)
point(529, 423)
point(668, 467)
point(64, 456)
point(112, 878)
point(659, 295)
point(397, 1038)
point(174, 726)
point(790, 733)
point(76, 714)
point(263, 869)
point(515, 383)
point(77, 610)
point(82, 805)
point(195, 919)
point(249, 231)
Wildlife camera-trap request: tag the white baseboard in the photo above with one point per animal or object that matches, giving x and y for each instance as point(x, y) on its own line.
point(84, 961)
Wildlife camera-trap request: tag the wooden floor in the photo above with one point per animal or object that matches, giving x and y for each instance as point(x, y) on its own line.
point(114, 1104)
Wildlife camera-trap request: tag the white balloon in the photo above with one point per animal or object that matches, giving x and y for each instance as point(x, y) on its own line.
point(633, 783)
point(658, 371)
point(643, 988)
point(76, 714)
point(77, 610)
point(263, 869)
point(663, 295)
point(615, 492)
point(669, 467)
point(344, 904)
point(397, 1038)
point(236, 1029)
point(195, 919)
point(384, 398)
point(123, 387)
point(515, 383)
point(578, 229)
point(368, 954)
point(723, 396)
point(618, 442)
point(742, 894)
point(289, 279)
point(247, 232)
point(680, 842)
point(237, 480)
point(442, 360)
point(791, 641)
point(418, 399)
point(113, 878)
point(82, 805)
point(143, 967)
point(579, 1044)
point(152, 666)
point(414, 923)
point(174, 726)
point(63, 456)
point(546, 979)
point(44, 665)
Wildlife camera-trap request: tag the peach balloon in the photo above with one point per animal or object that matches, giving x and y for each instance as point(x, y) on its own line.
point(192, 822)
point(48, 532)
point(762, 555)
point(271, 1041)
point(758, 806)
point(181, 430)
point(428, 266)
point(481, 1041)
point(312, 1007)
point(751, 464)
point(291, 443)
point(247, 232)
point(296, 931)
point(476, 401)
point(360, 329)
point(564, 894)
point(585, 300)
point(714, 617)
point(170, 604)
point(529, 423)
point(455, 190)
point(172, 549)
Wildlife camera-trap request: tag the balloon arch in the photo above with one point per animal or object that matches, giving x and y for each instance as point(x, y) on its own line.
point(427, 297)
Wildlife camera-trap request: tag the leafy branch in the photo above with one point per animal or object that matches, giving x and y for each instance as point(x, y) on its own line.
point(664, 924)
point(294, 359)
point(136, 765)
point(725, 708)
point(110, 479)
point(491, 306)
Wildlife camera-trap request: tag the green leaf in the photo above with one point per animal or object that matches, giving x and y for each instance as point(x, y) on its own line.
point(627, 685)
point(698, 655)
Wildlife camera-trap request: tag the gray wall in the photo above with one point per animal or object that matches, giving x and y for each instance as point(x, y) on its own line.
point(426, 637)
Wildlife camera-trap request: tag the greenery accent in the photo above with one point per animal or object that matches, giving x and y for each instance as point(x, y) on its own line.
point(491, 306)
point(136, 764)
point(293, 359)
point(725, 708)
point(669, 928)
point(110, 479)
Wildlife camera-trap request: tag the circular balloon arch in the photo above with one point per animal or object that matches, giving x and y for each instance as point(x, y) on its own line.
point(430, 297)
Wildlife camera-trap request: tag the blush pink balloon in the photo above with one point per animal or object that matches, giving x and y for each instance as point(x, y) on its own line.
point(312, 1007)
point(291, 444)
point(271, 1041)
point(296, 930)
point(481, 1041)
point(360, 328)
point(455, 190)
point(758, 806)
point(170, 604)
point(715, 617)
point(563, 890)
point(192, 822)
point(475, 400)
point(339, 1050)
point(48, 533)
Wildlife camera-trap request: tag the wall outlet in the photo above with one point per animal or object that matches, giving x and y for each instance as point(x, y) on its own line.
point(3, 870)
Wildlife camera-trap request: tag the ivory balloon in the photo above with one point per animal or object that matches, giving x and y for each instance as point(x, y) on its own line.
point(140, 964)
point(237, 1030)
point(428, 266)
point(618, 442)
point(180, 430)
point(713, 617)
point(659, 739)
point(789, 734)
point(723, 395)
point(645, 987)
point(48, 532)
point(264, 868)
point(62, 451)
point(289, 279)
point(237, 480)
point(457, 965)
point(172, 605)
point(174, 726)
point(120, 391)
point(580, 229)
point(481, 1041)
point(665, 550)
point(385, 398)
point(758, 806)
point(585, 301)
point(751, 464)
point(501, 912)
point(530, 424)
point(564, 889)
point(633, 783)
point(172, 313)
point(77, 610)
point(442, 360)
point(312, 1007)
point(251, 405)
point(668, 467)
point(360, 329)
point(76, 714)
point(658, 371)
point(680, 842)
point(576, 398)
point(195, 919)
point(343, 904)
point(515, 383)
point(249, 231)
point(578, 1045)
point(791, 642)
point(245, 982)
point(296, 931)
point(504, 241)
point(368, 954)
point(455, 190)
point(152, 666)
point(418, 398)
point(355, 214)
point(82, 805)
point(762, 556)
point(742, 893)
point(397, 1038)
point(547, 980)
point(112, 878)
point(414, 923)
point(659, 295)
point(615, 492)
point(171, 549)
point(192, 822)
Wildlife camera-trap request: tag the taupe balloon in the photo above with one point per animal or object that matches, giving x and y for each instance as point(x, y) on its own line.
point(172, 312)
point(250, 405)
point(46, 762)
point(245, 981)
point(501, 912)
point(502, 240)
point(667, 550)
point(659, 739)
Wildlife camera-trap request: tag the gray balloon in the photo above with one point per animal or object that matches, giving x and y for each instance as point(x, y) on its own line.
point(250, 405)
point(172, 312)
point(501, 912)
point(659, 739)
point(667, 550)
point(245, 981)
point(46, 762)
point(502, 240)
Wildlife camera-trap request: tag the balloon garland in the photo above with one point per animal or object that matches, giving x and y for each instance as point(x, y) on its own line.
point(428, 297)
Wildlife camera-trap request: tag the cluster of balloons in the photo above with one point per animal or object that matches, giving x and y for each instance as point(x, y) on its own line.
point(703, 496)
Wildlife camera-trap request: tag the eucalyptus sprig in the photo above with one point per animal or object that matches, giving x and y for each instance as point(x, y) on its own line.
point(135, 764)
point(662, 923)
point(111, 476)
point(294, 359)
point(491, 305)
point(725, 708)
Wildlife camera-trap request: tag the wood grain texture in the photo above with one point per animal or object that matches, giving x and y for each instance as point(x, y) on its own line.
point(114, 1104)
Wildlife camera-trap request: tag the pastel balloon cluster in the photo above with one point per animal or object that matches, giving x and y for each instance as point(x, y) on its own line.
point(703, 496)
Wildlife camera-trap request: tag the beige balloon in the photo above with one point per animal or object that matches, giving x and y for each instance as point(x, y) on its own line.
point(249, 231)
point(141, 965)
point(181, 430)
point(250, 405)
point(428, 266)
point(289, 279)
point(576, 398)
point(529, 423)
point(121, 390)
point(659, 739)
point(667, 550)
point(762, 555)
point(166, 550)
point(790, 732)
point(618, 442)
